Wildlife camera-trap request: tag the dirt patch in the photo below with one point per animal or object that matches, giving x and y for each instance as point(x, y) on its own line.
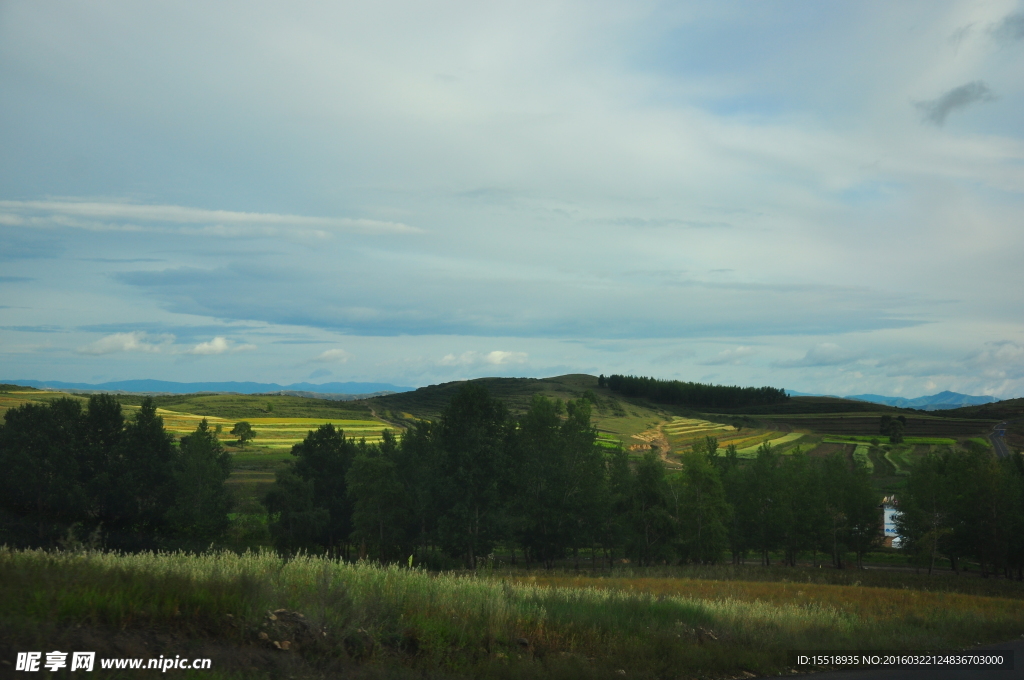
point(655, 437)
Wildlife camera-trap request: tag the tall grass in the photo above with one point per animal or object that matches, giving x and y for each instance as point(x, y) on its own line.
point(557, 626)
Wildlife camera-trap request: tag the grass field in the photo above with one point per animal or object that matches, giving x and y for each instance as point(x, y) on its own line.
point(901, 459)
point(860, 455)
point(360, 620)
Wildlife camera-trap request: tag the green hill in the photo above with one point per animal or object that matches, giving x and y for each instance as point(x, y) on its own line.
point(613, 415)
point(1000, 410)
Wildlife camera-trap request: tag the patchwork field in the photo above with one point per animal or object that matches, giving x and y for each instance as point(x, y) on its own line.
point(866, 424)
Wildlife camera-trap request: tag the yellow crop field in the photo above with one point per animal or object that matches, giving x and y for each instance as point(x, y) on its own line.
point(271, 433)
point(791, 437)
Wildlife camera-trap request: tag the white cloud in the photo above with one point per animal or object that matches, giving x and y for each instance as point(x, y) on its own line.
point(117, 216)
point(135, 341)
point(499, 358)
point(333, 356)
point(219, 345)
point(822, 354)
point(731, 357)
point(494, 358)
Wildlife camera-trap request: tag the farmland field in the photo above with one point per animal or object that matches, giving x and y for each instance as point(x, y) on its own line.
point(778, 441)
point(878, 439)
point(860, 455)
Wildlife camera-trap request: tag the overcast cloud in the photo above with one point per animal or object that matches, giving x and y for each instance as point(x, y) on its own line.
point(824, 197)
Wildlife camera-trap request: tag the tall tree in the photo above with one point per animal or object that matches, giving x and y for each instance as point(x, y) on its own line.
point(653, 524)
point(41, 494)
point(417, 470)
point(472, 439)
point(144, 486)
point(323, 459)
point(541, 480)
point(381, 509)
point(297, 523)
point(925, 520)
point(702, 512)
point(202, 499)
point(768, 504)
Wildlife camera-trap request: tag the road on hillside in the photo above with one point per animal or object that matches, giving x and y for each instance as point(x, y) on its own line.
point(937, 672)
point(998, 438)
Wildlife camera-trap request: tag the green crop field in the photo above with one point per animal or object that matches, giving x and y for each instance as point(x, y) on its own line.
point(881, 439)
point(902, 459)
point(860, 455)
point(777, 441)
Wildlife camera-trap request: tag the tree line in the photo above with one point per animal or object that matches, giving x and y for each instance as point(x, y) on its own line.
point(965, 506)
point(540, 488)
point(697, 395)
point(69, 472)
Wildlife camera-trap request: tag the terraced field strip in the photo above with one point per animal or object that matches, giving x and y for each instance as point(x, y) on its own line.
point(857, 439)
point(281, 433)
point(860, 454)
point(678, 426)
point(785, 439)
point(272, 433)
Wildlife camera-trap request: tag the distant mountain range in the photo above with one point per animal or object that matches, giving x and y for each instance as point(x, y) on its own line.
point(934, 402)
point(166, 387)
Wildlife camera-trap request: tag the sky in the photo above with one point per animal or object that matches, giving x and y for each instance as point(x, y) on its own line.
point(823, 197)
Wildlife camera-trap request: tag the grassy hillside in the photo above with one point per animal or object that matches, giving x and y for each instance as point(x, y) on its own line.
point(246, 406)
point(616, 417)
point(261, 616)
point(428, 402)
point(1000, 410)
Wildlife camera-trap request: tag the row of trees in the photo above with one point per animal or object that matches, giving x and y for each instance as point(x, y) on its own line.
point(93, 472)
point(697, 395)
point(960, 505)
point(543, 488)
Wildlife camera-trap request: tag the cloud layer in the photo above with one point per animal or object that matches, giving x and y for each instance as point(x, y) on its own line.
point(714, 191)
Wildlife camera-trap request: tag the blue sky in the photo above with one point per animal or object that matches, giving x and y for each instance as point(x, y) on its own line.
point(826, 197)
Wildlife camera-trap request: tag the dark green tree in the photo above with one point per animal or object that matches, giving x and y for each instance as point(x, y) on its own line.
point(701, 510)
point(144, 483)
point(323, 459)
point(925, 520)
point(653, 526)
point(41, 495)
point(297, 523)
point(896, 428)
point(541, 483)
point(417, 470)
point(202, 500)
point(381, 513)
point(244, 432)
point(883, 424)
point(615, 527)
point(768, 504)
point(473, 440)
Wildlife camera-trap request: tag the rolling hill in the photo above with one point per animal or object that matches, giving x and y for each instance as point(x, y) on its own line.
point(935, 402)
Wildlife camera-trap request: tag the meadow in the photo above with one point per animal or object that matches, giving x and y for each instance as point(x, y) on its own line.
point(259, 615)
